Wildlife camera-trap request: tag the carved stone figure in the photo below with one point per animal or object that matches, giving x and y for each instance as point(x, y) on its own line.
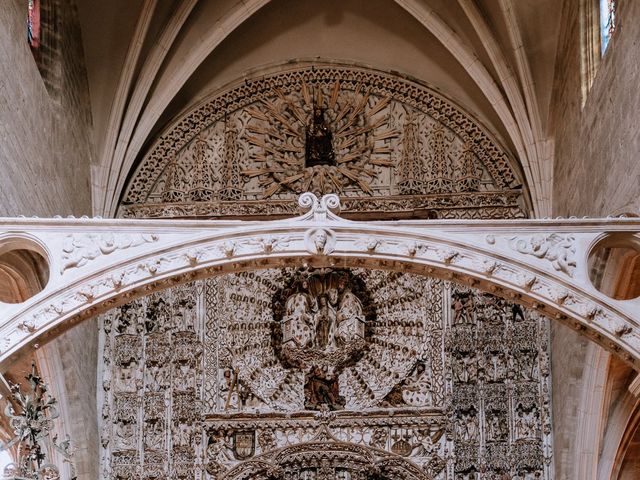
point(320, 241)
point(322, 389)
point(557, 249)
point(517, 313)
point(79, 250)
point(156, 376)
point(468, 427)
point(298, 323)
point(154, 435)
point(185, 314)
point(319, 141)
point(526, 421)
point(497, 428)
point(462, 306)
point(329, 319)
point(218, 448)
point(528, 367)
point(183, 434)
point(418, 389)
point(496, 368)
point(425, 447)
point(350, 317)
point(325, 321)
point(465, 368)
point(125, 435)
point(128, 380)
point(183, 377)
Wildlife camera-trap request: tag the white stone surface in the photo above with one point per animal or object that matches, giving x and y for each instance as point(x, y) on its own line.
point(96, 264)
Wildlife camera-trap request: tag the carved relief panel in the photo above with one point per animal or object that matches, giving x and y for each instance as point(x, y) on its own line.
point(323, 374)
point(382, 142)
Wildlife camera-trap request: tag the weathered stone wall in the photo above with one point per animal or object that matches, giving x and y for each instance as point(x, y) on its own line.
point(78, 352)
point(597, 172)
point(45, 154)
point(44, 132)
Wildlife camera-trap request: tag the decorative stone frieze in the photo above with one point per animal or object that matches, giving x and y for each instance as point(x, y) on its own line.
point(79, 249)
point(555, 282)
point(557, 249)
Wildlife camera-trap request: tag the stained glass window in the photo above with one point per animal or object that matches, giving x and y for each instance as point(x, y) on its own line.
point(33, 23)
point(607, 22)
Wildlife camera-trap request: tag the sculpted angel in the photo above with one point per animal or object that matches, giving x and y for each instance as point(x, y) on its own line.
point(350, 317)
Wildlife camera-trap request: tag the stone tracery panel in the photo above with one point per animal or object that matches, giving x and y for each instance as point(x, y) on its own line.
point(252, 375)
point(384, 143)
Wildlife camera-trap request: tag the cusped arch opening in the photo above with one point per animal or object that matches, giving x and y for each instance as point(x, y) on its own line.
point(614, 266)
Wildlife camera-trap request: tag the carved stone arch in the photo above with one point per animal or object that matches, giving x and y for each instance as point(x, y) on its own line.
point(99, 264)
point(399, 147)
point(258, 469)
point(328, 456)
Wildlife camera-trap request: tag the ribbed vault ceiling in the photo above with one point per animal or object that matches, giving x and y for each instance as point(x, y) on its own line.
point(149, 60)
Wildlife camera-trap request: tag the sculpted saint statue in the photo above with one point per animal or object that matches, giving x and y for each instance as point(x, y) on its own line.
point(322, 317)
point(350, 318)
point(218, 448)
point(322, 388)
point(319, 141)
point(299, 319)
point(325, 321)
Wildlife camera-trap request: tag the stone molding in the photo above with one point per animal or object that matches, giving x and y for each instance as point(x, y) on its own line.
point(634, 386)
point(477, 253)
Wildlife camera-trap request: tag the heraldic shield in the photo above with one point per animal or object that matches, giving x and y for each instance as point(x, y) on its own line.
point(244, 444)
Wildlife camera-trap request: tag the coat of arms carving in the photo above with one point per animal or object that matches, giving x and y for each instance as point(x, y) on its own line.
point(244, 444)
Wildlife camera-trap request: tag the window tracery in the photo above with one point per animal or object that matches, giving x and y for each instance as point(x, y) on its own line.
point(607, 22)
point(598, 21)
